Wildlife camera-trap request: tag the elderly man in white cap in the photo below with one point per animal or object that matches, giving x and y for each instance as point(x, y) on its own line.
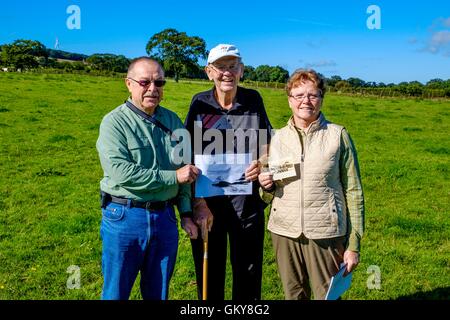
point(229, 108)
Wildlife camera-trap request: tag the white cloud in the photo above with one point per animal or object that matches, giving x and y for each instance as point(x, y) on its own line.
point(446, 22)
point(439, 42)
point(439, 38)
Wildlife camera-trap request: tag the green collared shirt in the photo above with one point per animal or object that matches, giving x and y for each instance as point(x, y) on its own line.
point(139, 159)
point(352, 187)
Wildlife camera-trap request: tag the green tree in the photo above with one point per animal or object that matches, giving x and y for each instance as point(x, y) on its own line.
point(436, 84)
point(58, 54)
point(24, 54)
point(267, 73)
point(108, 62)
point(356, 82)
point(342, 85)
point(262, 73)
point(194, 71)
point(178, 52)
point(415, 88)
point(333, 80)
point(249, 73)
point(278, 74)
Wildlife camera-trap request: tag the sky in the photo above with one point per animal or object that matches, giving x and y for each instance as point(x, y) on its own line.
point(411, 40)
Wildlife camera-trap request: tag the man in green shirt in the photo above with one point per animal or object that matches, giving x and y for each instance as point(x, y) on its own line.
point(143, 179)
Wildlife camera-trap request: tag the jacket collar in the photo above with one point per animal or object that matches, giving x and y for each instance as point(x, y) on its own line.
point(314, 126)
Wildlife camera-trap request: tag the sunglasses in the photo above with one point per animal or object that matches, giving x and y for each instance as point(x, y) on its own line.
point(147, 83)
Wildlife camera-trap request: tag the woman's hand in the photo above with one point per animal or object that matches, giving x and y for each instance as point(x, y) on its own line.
point(351, 258)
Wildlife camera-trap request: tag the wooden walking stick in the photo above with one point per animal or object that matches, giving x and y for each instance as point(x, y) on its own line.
point(205, 258)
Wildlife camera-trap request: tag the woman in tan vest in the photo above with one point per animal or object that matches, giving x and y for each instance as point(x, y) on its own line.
point(317, 215)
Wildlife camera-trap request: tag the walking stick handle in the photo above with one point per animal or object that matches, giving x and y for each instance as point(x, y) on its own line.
point(204, 229)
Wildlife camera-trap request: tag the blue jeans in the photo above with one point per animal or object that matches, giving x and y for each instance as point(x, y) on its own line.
point(135, 239)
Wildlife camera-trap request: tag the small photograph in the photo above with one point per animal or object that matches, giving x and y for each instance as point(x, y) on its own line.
point(282, 169)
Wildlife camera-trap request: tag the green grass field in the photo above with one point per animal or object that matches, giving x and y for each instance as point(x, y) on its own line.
point(50, 217)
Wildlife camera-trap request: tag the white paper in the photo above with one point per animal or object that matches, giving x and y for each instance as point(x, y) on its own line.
point(222, 174)
point(282, 169)
point(339, 284)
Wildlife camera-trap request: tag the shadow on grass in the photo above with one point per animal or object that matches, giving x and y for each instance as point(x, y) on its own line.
point(436, 294)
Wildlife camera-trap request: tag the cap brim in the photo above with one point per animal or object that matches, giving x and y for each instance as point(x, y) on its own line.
point(225, 55)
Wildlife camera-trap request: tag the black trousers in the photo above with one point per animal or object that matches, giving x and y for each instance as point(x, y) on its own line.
point(246, 237)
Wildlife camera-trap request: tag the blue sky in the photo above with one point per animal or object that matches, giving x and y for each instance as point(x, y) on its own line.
point(329, 36)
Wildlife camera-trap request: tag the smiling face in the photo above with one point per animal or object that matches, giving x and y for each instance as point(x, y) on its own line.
point(225, 72)
point(305, 101)
point(146, 97)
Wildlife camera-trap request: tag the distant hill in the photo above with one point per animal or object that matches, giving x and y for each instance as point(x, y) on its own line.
point(59, 54)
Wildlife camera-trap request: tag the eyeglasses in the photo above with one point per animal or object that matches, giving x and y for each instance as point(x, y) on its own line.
point(311, 97)
point(223, 68)
point(147, 83)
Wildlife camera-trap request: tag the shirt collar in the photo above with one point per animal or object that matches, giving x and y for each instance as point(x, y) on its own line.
point(156, 114)
point(314, 126)
point(238, 100)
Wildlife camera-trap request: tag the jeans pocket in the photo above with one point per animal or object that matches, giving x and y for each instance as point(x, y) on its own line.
point(171, 215)
point(113, 212)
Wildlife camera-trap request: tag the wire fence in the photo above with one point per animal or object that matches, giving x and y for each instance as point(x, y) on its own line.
point(381, 92)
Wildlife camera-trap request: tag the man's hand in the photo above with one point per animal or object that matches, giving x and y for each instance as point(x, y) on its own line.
point(190, 227)
point(252, 172)
point(351, 258)
point(187, 174)
point(202, 212)
point(266, 180)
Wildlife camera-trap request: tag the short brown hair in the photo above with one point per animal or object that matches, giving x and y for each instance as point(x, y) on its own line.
point(300, 76)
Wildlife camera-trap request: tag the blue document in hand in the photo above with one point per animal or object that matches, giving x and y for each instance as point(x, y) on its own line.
point(339, 284)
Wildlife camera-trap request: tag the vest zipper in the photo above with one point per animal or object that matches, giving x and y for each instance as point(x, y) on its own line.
point(302, 166)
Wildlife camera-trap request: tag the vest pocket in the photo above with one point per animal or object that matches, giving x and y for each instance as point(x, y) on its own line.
point(333, 210)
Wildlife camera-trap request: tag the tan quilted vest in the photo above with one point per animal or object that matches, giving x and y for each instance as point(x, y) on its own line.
point(313, 202)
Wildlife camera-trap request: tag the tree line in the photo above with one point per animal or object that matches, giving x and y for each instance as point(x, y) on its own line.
point(176, 51)
point(24, 55)
point(180, 54)
point(433, 88)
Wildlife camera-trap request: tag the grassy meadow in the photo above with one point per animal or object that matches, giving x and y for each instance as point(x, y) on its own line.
point(50, 172)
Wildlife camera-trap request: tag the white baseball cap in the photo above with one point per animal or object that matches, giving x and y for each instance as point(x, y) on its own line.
point(223, 50)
